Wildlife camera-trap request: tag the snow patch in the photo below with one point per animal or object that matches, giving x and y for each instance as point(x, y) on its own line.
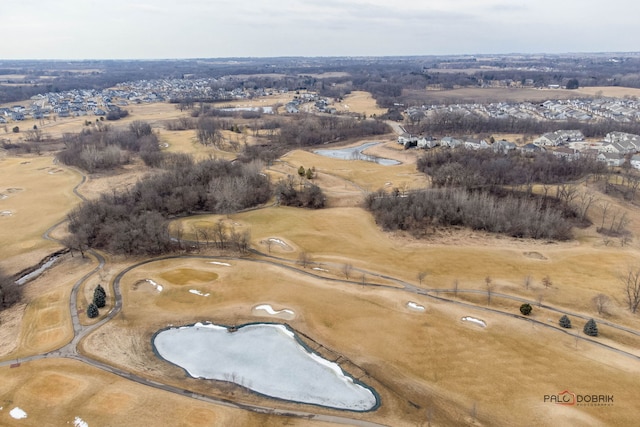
point(415, 306)
point(474, 320)
point(18, 413)
point(197, 292)
point(154, 284)
point(226, 264)
point(79, 422)
point(278, 242)
point(6, 213)
point(271, 311)
point(320, 269)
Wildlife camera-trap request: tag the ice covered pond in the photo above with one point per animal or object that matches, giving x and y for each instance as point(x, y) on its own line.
point(356, 153)
point(266, 358)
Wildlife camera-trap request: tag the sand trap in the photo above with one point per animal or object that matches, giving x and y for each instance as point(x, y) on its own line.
point(474, 320)
point(279, 242)
point(6, 213)
point(197, 292)
point(415, 306)
point(321, 269)
point(154, 284)
point(226, 264)
point(285, 313)
point(18, 413)
point(79, 422)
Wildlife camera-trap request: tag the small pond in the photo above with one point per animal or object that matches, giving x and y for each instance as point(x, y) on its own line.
point(356, 153)
point(266, 358)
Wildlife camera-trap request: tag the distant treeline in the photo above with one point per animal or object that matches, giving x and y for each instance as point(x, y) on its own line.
point(135, 221)
point(454, 123)
point(472, 169)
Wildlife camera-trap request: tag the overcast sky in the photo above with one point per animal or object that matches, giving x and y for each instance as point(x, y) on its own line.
point(123, 29)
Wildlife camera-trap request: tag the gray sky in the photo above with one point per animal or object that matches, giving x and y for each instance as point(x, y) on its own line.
point(89, 29)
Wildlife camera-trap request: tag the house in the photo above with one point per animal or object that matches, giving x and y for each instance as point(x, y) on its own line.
point(450, 142)
point(635, 161)
point(566, 153)
point(475, 144)
point(503, 146)
point(427, 142)
point(531, 148)
point(611, 159)
point(559, 137)
point(407, 138)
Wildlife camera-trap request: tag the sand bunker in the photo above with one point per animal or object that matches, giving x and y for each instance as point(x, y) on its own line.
point(278, 242)
point(6, 213)
point(149, 281)
point(197, 292)
point(17, 413)
point(285, 313)
point(474, 320)
point(226, 264)
point(415, 306)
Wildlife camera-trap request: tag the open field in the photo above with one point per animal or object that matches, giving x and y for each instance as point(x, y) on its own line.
point(428, 366)
point(485, 95)
point(35, 194)
point(359, 102)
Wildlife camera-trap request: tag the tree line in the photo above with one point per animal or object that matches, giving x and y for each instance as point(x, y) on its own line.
point(456, 123)
point(513, 215)
point(135, 221)
point(106, 148)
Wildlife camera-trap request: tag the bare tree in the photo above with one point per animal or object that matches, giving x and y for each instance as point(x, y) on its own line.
point(527, 282)
point(585, 200)
point(546, 282)
point(489, 284)
point(346, 270)
point(455, 288)
point(605, 208)
point(540, 298)
point(304, 259)
point(601, 303)
point(631, 286)
point(421, 276)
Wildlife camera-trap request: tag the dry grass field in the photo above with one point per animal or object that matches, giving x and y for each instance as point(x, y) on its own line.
point(359, 102)
point(428, 366)
point(484, 95)
point(35, 193)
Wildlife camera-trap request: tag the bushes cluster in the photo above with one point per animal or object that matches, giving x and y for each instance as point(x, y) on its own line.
point(309, 196)
point(480, 210)
point(135, 222)
point(10, 293)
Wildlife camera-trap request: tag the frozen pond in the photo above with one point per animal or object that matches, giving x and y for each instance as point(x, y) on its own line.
point(356, 153)
point(266, 358)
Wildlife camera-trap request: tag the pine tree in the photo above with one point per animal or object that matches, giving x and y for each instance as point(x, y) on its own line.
point(526, 309)
point(565, 322)
point(99, 296)
point(92, 311)
point(590, 328)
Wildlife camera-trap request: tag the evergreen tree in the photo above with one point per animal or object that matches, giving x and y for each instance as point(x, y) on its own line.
point(565, 322)
point(99, 296)
point(92, 311)
point(301, 171)
point(99, 299)
point(590, 328)
point(526, 309)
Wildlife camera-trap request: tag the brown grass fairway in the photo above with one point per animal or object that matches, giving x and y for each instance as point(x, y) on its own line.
point(37, 194)
point(359, 102)
point(55, 392)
